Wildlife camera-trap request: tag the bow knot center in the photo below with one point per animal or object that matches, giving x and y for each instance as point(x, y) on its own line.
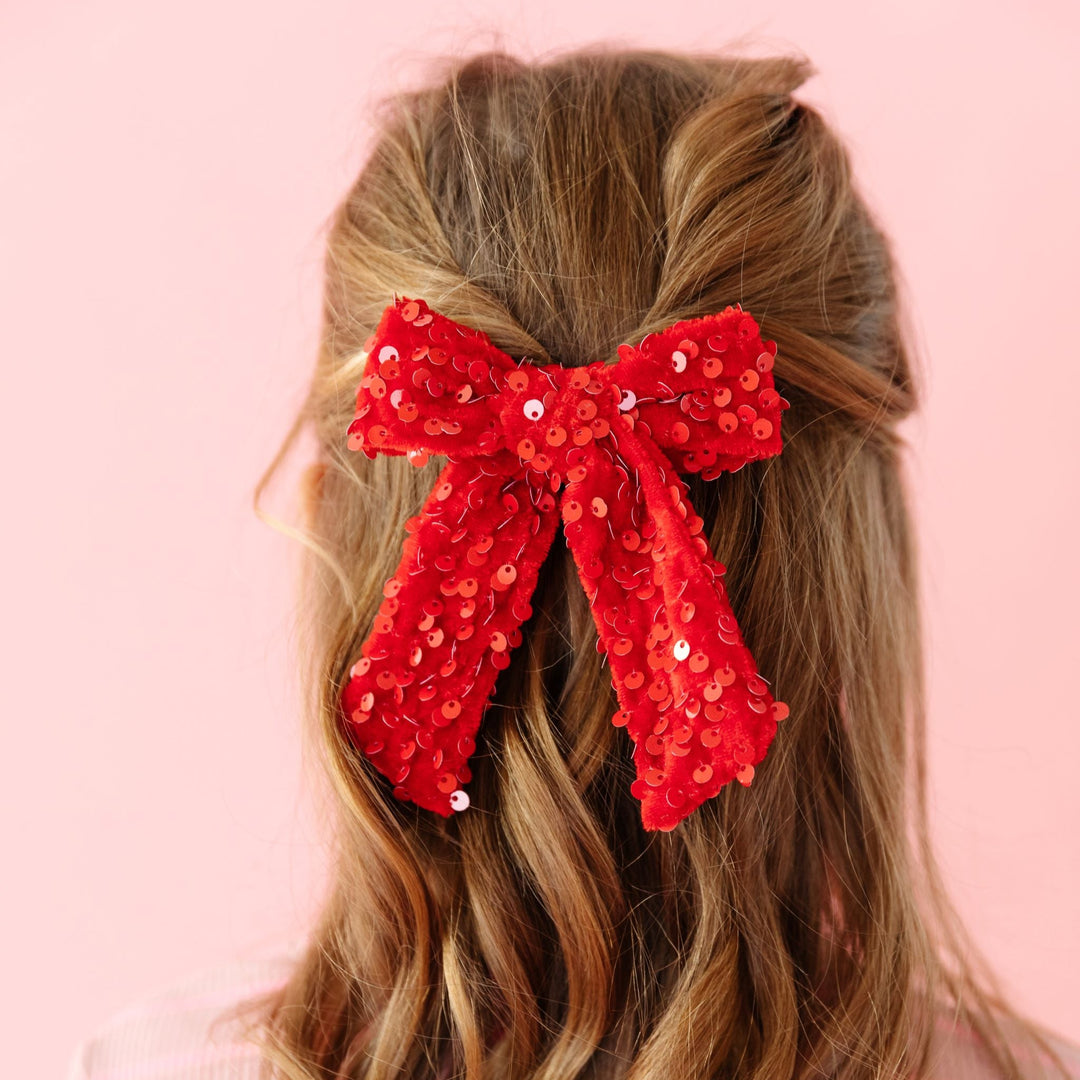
point(551, 414)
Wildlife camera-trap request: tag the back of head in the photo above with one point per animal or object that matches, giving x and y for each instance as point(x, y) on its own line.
point(792, 928)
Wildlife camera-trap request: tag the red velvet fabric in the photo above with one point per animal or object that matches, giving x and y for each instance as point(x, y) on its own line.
point(599, 448)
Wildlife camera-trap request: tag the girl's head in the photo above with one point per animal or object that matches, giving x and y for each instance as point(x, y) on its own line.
point(795, 927)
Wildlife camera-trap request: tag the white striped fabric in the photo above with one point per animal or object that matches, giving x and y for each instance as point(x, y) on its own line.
point(172, 1035)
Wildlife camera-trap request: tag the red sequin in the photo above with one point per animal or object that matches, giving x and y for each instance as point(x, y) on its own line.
point(610, 441)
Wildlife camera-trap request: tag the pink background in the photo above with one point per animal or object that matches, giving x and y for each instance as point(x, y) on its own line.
point(164, 176)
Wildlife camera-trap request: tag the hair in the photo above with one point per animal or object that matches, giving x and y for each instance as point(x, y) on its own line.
point(797, 928)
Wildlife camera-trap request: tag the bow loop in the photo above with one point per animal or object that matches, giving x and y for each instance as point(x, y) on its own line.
point(708, 400)
point(430, 385)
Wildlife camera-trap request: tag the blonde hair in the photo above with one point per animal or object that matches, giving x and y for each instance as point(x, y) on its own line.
point(796, 928)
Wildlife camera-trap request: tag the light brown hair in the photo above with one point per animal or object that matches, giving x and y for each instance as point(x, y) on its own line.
point(795, 928)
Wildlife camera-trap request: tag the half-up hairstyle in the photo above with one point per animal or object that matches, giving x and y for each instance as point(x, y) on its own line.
point(796, 928)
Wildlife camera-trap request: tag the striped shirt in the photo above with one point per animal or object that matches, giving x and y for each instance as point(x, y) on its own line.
point(172, 1035)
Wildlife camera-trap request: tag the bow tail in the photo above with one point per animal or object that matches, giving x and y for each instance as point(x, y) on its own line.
point(691, 698)
point(449, 618)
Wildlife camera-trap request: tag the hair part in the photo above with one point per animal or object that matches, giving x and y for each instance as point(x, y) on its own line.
point(795, 929)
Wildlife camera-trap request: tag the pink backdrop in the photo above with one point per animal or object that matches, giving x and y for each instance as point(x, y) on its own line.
point(163, 180)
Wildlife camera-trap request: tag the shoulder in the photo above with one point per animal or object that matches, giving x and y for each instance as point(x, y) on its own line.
point(958, 1054)
point(187, 1028)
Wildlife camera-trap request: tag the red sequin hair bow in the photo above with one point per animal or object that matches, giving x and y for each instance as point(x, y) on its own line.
point(598, 448)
